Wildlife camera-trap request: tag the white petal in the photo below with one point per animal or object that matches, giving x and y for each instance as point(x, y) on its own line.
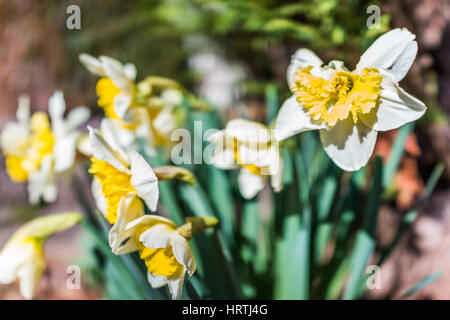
point(76, 117)
point(14, 138)
point(64, 152)
point(292, 119)
point(56, 109)
point(122, 103)
point(144, 180)
point(394, 51)
point(276, 171)
point(250, 184)
point(115, 136)
point(349, 146)
point(156, 281)
point(149, 220)
point(103, 151)
point(182, 252)
point(301, 59)
point(165, 122)
point(130, 208)
point(172, 97)
point(114, 70)
point(23, 111)
point(249, 132)
point(41, 183)
point(100, 200)
point(157, 236)
point(12, 257)
point(130, 71)
point(92, 64)
point(30, 274)
point(176, 287)
point(395, 109)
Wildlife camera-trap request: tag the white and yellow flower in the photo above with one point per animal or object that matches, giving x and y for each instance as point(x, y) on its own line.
point(162, 245)
point(349, 107)
point(143, 110)
point(249, 146)
point(37, 149)
point(117, 173)
point(23, 257)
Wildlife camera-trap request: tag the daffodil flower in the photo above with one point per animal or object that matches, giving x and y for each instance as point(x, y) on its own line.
point(350, 107)
point(23, 257)
point(162, 245)
point(37, 149)
point(249, 146)
point(116, 173)
point(142, 110)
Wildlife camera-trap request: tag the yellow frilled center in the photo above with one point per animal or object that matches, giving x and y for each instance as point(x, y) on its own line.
point(39, 145)
point(160, 262)
point(334, 99)
point(114, 185)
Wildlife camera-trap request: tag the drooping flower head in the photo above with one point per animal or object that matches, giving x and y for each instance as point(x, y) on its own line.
point(349, 107)
point(36, 148)
point(162, 245)
point(249, 146)
point(23, 257)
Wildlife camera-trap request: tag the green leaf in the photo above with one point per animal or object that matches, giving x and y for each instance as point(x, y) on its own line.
point(364, 243)
point(396, 153)
point(426, 281)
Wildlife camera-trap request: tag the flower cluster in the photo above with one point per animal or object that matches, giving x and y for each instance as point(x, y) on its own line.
point(347, 107)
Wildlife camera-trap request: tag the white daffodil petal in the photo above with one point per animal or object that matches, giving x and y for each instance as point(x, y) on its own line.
point(30, 275)
point(41, 183)
point(12, 257)
point(102, 150)
point(176, 287)
point(223, 158)
point(292, 119)
point(149, 220)
point(56, 109)
point(396, 108)
point(14, 138)
point(100, 200)
point(122, 103)
point(92, 64)
point(219, 155)
point(165, 122)
point(250, 184)
point(301, 59)
point(157, 236)
point(182, 252)
point(348, 145)
point(23, 111)
point(144, 180)
point(130, 208)
point(114, 71)
point(116, 136)
point(64, 152)
point(76, 117)
point(248, 132)
point(276, 170)
point(394, 51)
point(156, 281)
point(130, 71)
